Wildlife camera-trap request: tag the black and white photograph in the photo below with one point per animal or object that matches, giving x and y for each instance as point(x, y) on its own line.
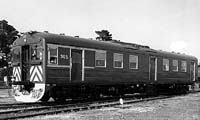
point(100, 59)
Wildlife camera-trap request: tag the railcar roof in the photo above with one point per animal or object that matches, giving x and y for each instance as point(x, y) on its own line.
point(76, 41)
point(105, 45)
point(176, 55)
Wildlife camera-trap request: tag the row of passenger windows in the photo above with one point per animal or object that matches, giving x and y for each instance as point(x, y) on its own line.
point(175, 65)
point(97, 58)
point(100, 60)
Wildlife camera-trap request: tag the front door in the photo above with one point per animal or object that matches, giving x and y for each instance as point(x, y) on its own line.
point(25, 62)
point(152, 68)
point(76, 62)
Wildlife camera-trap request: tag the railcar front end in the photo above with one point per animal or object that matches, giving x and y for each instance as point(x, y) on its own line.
point(28, 81)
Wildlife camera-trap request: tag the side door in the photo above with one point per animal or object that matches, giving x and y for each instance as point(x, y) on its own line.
point(76, 65)
point(192, 71)
point(153, 68)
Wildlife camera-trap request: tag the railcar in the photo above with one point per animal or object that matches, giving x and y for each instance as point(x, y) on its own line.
point(49, 65)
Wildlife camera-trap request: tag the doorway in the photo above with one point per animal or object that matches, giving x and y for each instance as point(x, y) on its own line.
point(76, 62)
point(192, 71)
point(153, 68)
point(25, 62)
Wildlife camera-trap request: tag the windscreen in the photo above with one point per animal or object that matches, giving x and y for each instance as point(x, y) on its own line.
point(16, 54)
point(36, 52)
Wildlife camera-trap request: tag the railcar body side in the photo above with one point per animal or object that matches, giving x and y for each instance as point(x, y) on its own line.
point(67, 66)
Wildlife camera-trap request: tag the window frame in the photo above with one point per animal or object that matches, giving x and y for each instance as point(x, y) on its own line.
point(48, 50)
point(137, 57)
point(100, 51)
point(185, 67)
point(166, 70)
point(177, 66)
point(37, 48)
point(16, 58)
point(118, 60)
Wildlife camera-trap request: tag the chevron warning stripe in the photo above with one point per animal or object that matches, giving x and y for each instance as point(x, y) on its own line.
point(17, 73)
point(36, 73)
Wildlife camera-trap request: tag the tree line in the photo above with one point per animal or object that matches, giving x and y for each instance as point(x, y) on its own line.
point(7, 35)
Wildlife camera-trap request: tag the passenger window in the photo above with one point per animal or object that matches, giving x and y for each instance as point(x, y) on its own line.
point(183, 66)
point(165, 65)
point(118, 60)
point(133, 62)
point(52, 54)
point(100, 59)
point(175, 65)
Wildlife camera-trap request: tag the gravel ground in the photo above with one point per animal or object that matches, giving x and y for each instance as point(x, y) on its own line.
point(177, 108)
point(5, 96)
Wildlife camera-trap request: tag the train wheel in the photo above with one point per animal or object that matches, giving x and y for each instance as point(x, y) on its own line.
point(46, 97)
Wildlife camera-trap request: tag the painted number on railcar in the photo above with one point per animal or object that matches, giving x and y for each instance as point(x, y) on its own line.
point(63, 56)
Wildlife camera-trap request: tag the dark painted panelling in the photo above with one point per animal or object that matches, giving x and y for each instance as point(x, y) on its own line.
point(113, 77)
point(143, 63)
point(89, 58)
point(126, 61)
point(58, 80)
point(57, 72)
point(109, 60)
point(57, 75)
point(173, 77)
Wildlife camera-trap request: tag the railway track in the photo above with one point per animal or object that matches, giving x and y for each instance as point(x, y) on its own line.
point(17, 105)
point(31, 110)
point(26, 105)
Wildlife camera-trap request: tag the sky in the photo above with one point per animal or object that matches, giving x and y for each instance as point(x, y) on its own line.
point(169, 25)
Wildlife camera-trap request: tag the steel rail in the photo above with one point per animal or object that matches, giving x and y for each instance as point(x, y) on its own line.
point(47, 110)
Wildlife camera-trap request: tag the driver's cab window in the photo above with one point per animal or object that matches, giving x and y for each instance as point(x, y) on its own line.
point(36, 52)
point(52, 54)
point(16, 54)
